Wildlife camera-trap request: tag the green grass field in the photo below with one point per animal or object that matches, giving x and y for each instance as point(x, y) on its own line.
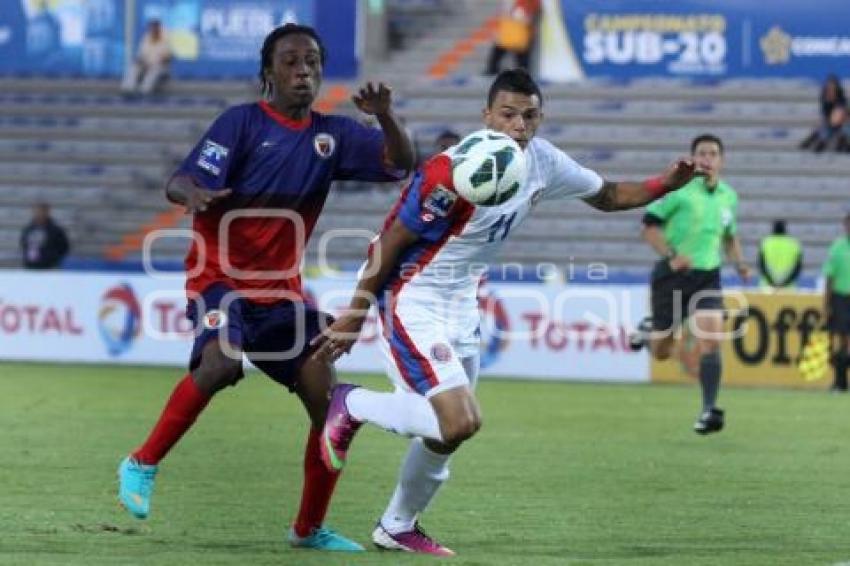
point(560, 474)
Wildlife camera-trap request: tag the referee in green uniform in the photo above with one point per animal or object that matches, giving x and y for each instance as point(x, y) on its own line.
point(689, 229)
point(837, 302)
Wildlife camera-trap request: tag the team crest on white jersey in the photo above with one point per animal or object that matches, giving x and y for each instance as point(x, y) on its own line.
point(441, 352)
point(324, 144)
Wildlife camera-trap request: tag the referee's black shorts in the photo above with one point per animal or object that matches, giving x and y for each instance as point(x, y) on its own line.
point(839, 305)
point(677, 295)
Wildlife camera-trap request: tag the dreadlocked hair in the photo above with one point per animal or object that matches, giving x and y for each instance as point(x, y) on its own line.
point(268, 50)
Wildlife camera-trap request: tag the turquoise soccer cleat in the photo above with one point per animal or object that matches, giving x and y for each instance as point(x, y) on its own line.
point(324, 539)
point(135, 485)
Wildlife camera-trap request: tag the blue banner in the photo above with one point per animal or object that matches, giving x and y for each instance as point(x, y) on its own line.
point(219, 38)
point(67, 37)
point(694, 38)
point(210, 38)
point(222, 38)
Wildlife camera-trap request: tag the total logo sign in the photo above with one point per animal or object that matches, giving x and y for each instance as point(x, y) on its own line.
point(119, 319)
point(560, 332)
point(123, 322)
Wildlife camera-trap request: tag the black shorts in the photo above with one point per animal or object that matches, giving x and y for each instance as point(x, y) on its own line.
point(839, 317)
point(677, 295)
point(276, 337)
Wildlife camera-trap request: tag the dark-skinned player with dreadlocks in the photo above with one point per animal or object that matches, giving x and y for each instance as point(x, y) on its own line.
point(255, 184)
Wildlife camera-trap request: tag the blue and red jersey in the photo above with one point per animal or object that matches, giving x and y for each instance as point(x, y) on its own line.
point(280, 171)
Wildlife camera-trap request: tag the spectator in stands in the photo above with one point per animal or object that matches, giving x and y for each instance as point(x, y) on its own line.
point(833, 133)
point(441, 143)
point(516, 33)
point(445, 140)
point(780, 259)
point(831, 96)
point(150, 69)
point(43, 242)
point(837, 302)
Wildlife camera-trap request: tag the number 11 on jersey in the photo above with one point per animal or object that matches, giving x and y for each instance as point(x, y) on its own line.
point(503, 224)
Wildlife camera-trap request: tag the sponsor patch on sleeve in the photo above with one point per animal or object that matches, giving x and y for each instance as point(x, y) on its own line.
point(212, 157)
point(440, 201)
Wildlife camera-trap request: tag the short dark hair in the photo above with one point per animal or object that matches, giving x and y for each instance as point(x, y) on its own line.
point(513, 80)
point(779, 227)
point(706, 138)
point(268, 48)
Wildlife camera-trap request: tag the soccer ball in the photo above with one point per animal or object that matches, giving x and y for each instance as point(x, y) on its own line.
point(488, 168)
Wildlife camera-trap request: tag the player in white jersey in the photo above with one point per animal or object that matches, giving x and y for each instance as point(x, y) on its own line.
point(423, 273)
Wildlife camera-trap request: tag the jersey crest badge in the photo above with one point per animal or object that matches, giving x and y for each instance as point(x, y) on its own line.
point(324, 144)
point(440, 201)
point(212, 157)
point(214, 319)
point(441, 352)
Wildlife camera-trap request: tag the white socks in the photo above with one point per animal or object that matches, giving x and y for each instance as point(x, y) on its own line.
point(404, 413)
point(422, 474)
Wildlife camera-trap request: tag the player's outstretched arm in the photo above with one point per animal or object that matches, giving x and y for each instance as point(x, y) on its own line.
point(398, 149)
point(625, 194)
point(182, 189)
point(340, 337)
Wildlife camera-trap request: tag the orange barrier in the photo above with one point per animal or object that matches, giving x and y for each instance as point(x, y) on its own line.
point(449, 60)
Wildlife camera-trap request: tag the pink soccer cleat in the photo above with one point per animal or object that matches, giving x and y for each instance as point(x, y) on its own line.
point(340, 428)
point(409, 541)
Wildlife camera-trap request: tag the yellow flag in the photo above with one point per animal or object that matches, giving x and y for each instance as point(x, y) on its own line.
point(814, 361)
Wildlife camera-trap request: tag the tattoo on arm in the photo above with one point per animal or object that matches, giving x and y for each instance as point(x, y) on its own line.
point(606, 198)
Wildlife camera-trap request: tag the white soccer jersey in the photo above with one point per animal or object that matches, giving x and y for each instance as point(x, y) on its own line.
point(429, 304)
point(458, 241)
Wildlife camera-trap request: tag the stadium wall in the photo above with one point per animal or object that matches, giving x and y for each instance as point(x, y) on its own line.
point(528, 330)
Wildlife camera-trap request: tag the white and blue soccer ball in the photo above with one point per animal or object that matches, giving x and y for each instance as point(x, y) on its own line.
point(488, 168)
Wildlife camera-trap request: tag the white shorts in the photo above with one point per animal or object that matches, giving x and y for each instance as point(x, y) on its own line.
point(426, 353)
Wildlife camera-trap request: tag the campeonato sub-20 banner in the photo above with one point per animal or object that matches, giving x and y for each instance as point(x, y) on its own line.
point(528, 330)
point(694, 38)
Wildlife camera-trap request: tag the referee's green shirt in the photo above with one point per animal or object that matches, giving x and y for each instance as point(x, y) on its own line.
point(837, 266)
point(696, 219)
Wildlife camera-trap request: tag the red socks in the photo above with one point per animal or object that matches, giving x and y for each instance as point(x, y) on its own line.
point(181, 410)
point(319, 484)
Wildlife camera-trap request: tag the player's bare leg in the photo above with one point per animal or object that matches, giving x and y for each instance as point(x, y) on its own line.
point(315, 380)
point(708, 326)
point(424, 470)
point(661, 347)
point(138, 471)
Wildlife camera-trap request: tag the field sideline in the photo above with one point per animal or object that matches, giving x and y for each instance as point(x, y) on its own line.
point(560, 474)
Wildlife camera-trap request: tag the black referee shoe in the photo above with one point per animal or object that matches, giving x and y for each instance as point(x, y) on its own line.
point(640, 337)
point(710, 421)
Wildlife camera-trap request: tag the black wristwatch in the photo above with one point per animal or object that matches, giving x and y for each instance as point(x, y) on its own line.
point(671, 253)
